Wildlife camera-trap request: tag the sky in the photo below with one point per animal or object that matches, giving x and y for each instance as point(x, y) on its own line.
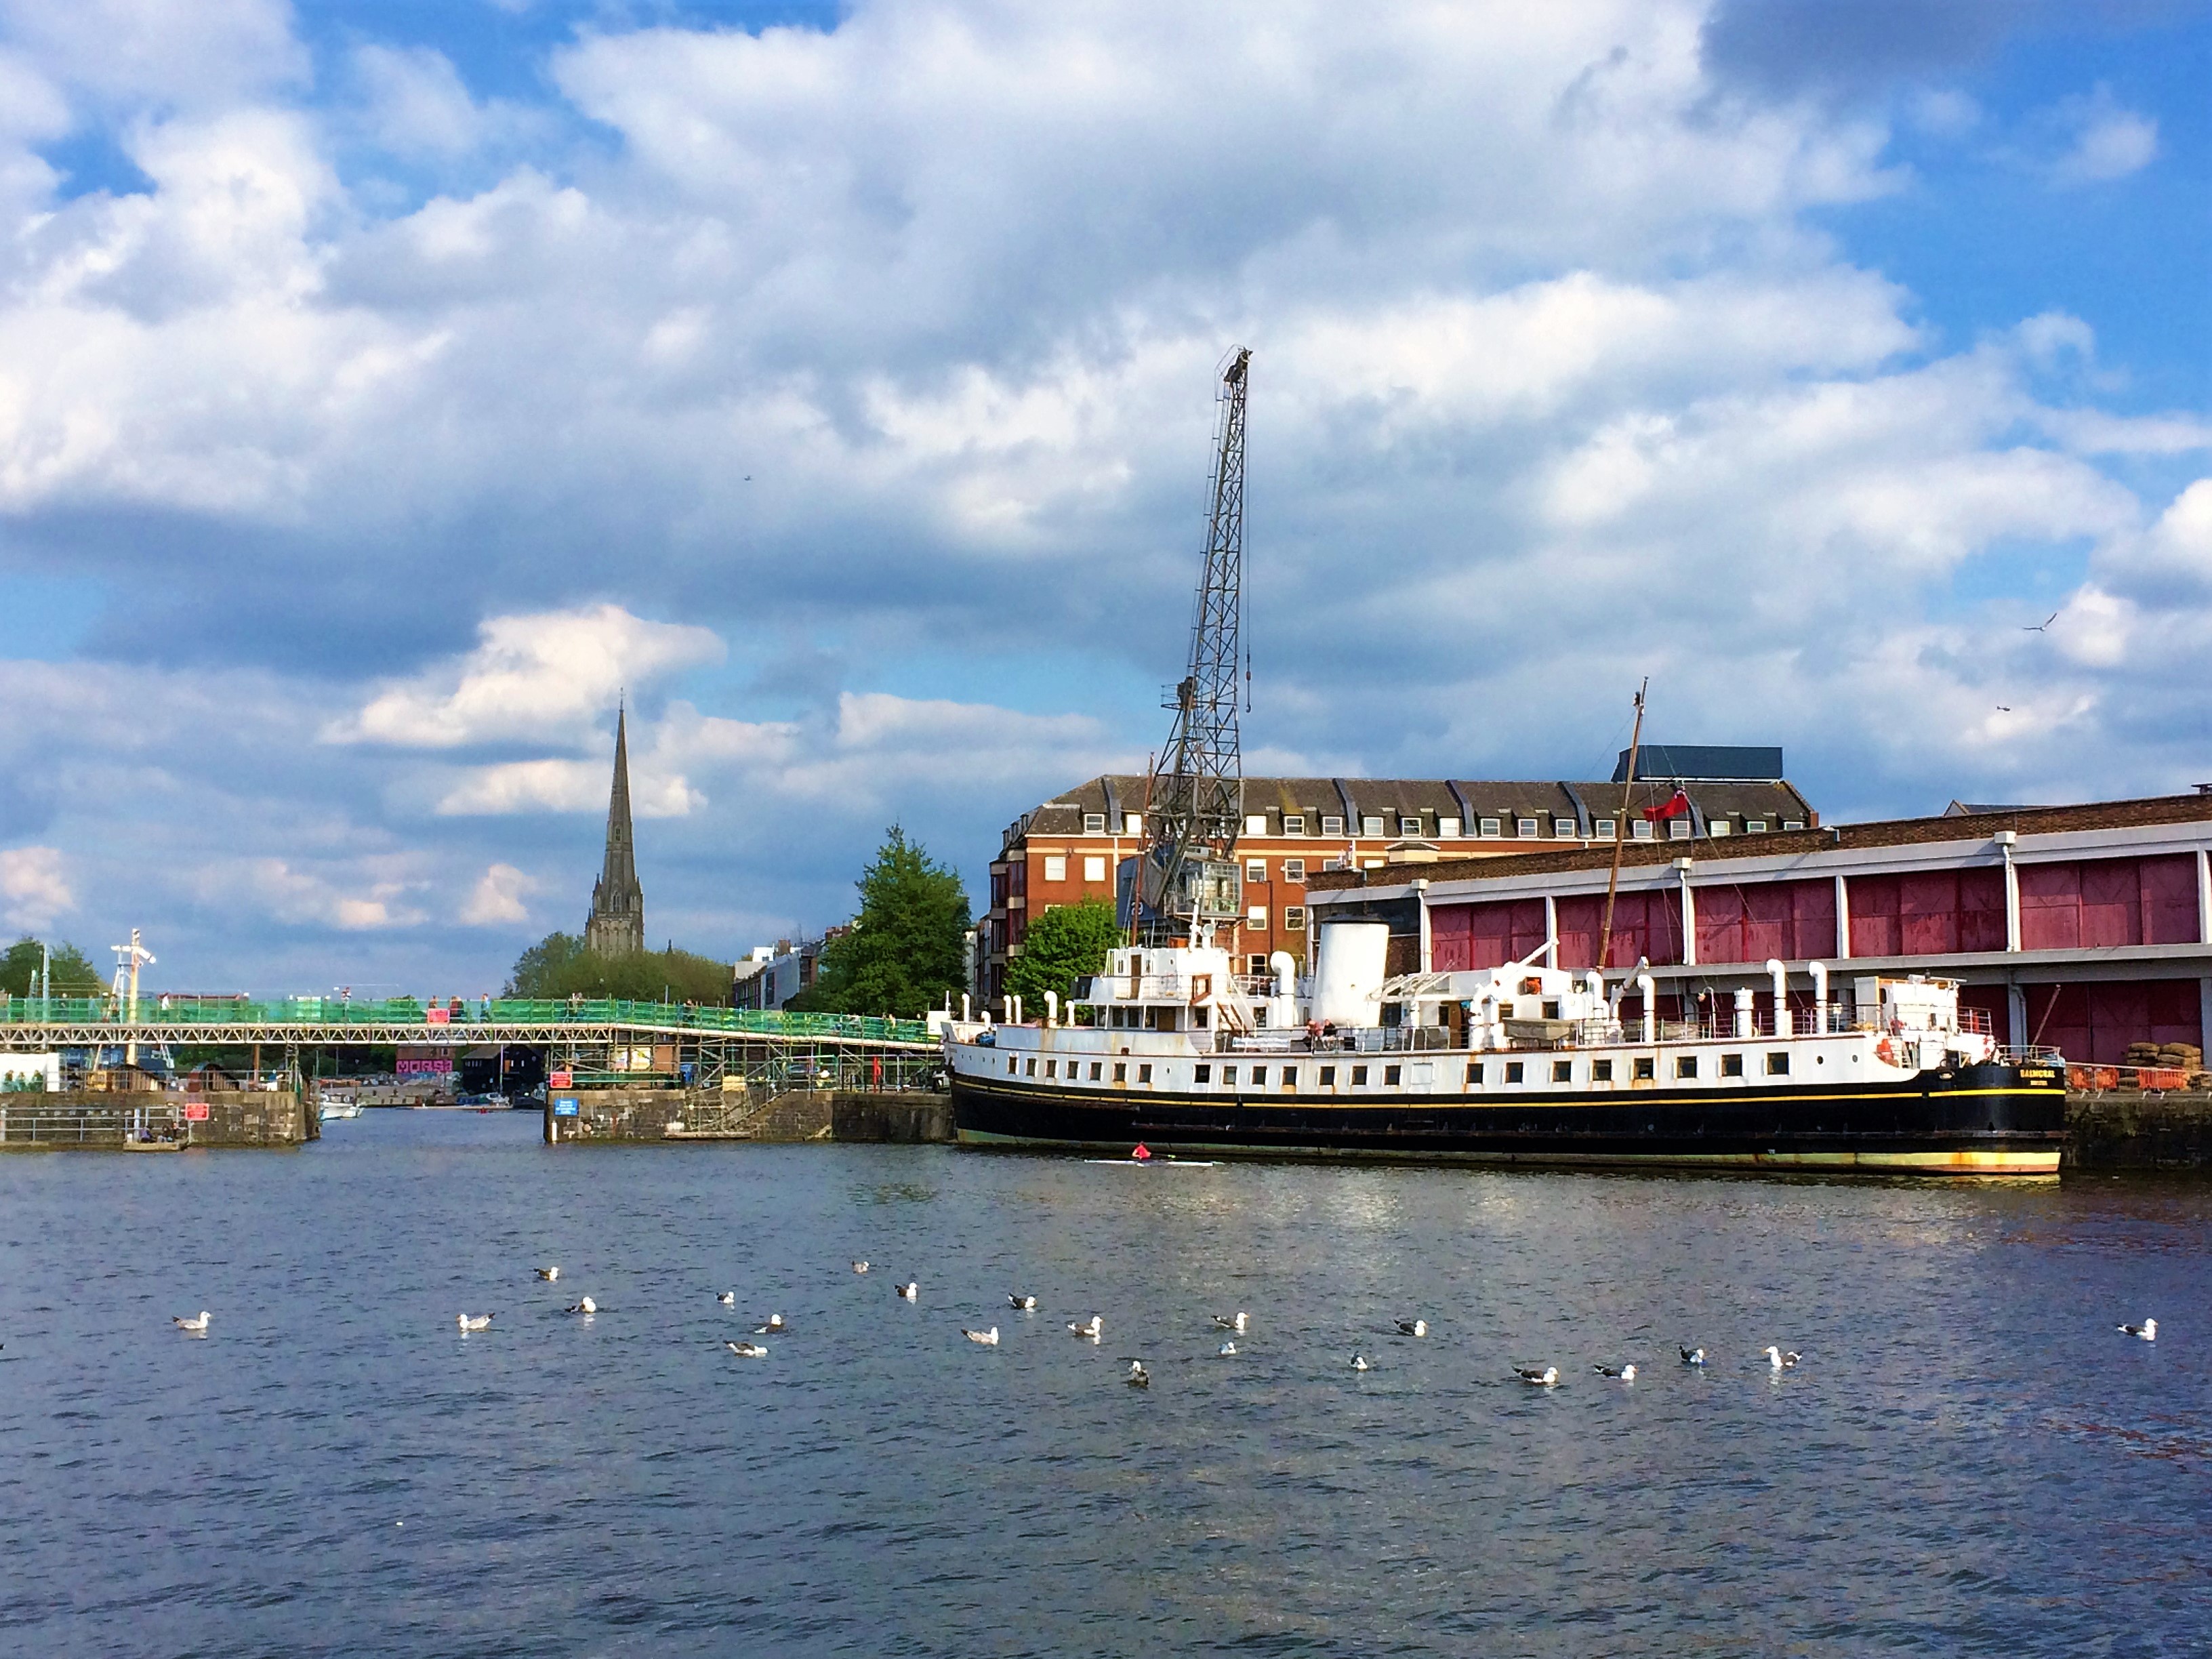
point(388, 387)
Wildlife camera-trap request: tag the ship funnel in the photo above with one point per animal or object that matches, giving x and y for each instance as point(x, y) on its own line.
point(1819, 973)
point(1780, 976)
point(1348, 977)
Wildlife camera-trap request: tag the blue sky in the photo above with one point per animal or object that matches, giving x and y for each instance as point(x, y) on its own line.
point(386, 385)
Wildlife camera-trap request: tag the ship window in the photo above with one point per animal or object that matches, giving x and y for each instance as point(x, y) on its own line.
point(1294, 824)
point(1391, 1074)
point(1094, 823)
point(1604, 829)
point(1513, 1071)
point(1524, 826)
point(1143, 1074)
point(1030, 1068)
point(1370, 824)
point(1013, 1064)
point(1474, 1073)
point(1052, 1067)
point(1642, 829)
point(1328, 1077)
point(1121, 1071)
point(1290, 1076)
point(1096, 1068)
point(1294, 869)
point(1686, 1066)
point(1204, 1074)
point(1777, 1065)
point(1358, 1077)
point(1056, 867)
point(1793, 824)
point(1258, 1076)
point(1294, 918)
point(1493, 826)
point(1600, 1071)
point(1094, 867)
point(1255, 869)
point(1331, 826)
point(1562, 1071)
point(1228, 1074)
point(1550, 1011)
point(1731, 1065)
point(1754, 826)
point(1409, 826)
point(1645, 1068)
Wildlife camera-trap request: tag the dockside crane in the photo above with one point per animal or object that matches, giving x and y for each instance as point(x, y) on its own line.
point(1187, 880)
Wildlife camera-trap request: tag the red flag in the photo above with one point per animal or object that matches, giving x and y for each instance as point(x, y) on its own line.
point(1674, 809)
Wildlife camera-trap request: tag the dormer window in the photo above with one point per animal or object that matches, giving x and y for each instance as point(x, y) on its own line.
point(1565, 829)
point(1678, 829)
point(1370, 826)
point(1331, 826)
point(1793, 824)
point(1409, 826)
point(1294, 824)
point(1754, 826)
point(1447, 828)
point(1604, 829)
point(1717, 827)
point(1133, 823)
point(1257, 825)
point(1094, 823)
point(1642, 829)
point(1525, 827)
point(1493, 826)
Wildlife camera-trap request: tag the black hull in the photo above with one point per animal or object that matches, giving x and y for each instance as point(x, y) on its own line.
point(1977, 1121)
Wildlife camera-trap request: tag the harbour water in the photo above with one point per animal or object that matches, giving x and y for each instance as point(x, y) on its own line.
point(1969, 1459)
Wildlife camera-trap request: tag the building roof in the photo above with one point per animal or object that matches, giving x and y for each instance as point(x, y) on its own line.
point(1682, 762)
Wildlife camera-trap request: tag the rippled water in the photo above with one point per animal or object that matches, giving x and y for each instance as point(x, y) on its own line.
point(1969, 1459)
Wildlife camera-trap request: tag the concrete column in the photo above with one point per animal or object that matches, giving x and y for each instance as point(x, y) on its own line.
point(2203, 897)
point(1843, 919)
point(2016, 1015)
point(1551, 930)
point(1689, 915)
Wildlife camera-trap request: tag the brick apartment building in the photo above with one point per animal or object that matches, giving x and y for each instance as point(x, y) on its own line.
point(1068, 849)
point(2085, 928)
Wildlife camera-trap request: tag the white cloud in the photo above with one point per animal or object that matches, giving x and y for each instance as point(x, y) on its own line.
point(34, 890)
point(498, 898)
point(550, 677)
point(2106, 141)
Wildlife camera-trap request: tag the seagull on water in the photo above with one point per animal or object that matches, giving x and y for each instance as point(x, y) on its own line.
point(1226, 1350)
point(773, 1327)
point(989, 1338)
point(1139, 1378)
point(1230, 1322)
point(859, 1266)
point(1692, 1356)
point(1781, 1361)
point(728, 1299)
point(1625, 1374)
point(586, 1306)
point(1412, 1328)
point(747, 1350)
point(1359, 1363)
point(1546, 1378)
point(1026, 1304)
point(199, 1325)
point(1091, 1330)
point(479, 1322)
point(548, 1274)
point(911, 1290)
point(2148, 1330)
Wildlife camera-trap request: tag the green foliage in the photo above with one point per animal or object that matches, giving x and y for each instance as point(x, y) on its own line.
point(909, 950)
point(73, 974)
point(558, 965)
point(1066, 942)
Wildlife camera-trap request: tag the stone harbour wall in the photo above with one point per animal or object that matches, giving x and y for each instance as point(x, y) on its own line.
point(154, 1120)
point(2123, 1129)
point(642, 1116)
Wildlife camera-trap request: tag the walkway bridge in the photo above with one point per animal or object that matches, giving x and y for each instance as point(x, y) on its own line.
point(592, 1038)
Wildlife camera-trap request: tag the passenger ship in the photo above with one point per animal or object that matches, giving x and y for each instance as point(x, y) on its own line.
point(1169, 1047)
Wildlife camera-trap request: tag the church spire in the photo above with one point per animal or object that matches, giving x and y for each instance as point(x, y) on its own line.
point(617, 925)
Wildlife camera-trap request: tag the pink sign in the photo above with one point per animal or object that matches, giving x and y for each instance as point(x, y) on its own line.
point(195, 1111)
point(439, 1016)
point(559, 1080)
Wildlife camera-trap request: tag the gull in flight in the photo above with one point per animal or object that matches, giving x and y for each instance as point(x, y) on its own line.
point(479, 1322)
point(1781, 1361)
point(548, 1274)
point(198, 1326)
point(1226, 1349)
point(989, 1338)
point(1546, 1378)
point(1091, 1330)
point(859, 1266)
point(586, 1306)
point(911, 1290)
point(1139, 1378)
point(2148, 1330)
point(2041, 626)
point(1412, 1328)
point(728, 1299)
point(1625, 1373)
point(747, 1350)
point(773, 1327)
point(1692, 1356)
point(1230, 1322)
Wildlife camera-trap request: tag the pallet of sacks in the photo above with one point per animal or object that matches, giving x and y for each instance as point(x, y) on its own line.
point(2166, 1064)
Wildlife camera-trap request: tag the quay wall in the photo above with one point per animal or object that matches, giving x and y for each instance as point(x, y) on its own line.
point(634, 1116)
point(154, 1120)
point(2122, 1129)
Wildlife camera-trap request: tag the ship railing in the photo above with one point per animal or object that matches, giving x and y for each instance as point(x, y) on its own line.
point(2029, 1054)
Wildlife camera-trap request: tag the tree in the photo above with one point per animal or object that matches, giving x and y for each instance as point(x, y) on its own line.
point(907, 950)
point(73, 974)
point(1067, 942)
point(558, 965)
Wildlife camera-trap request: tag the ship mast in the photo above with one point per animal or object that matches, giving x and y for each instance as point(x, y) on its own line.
point(1620, 829)
point(1187, 877)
